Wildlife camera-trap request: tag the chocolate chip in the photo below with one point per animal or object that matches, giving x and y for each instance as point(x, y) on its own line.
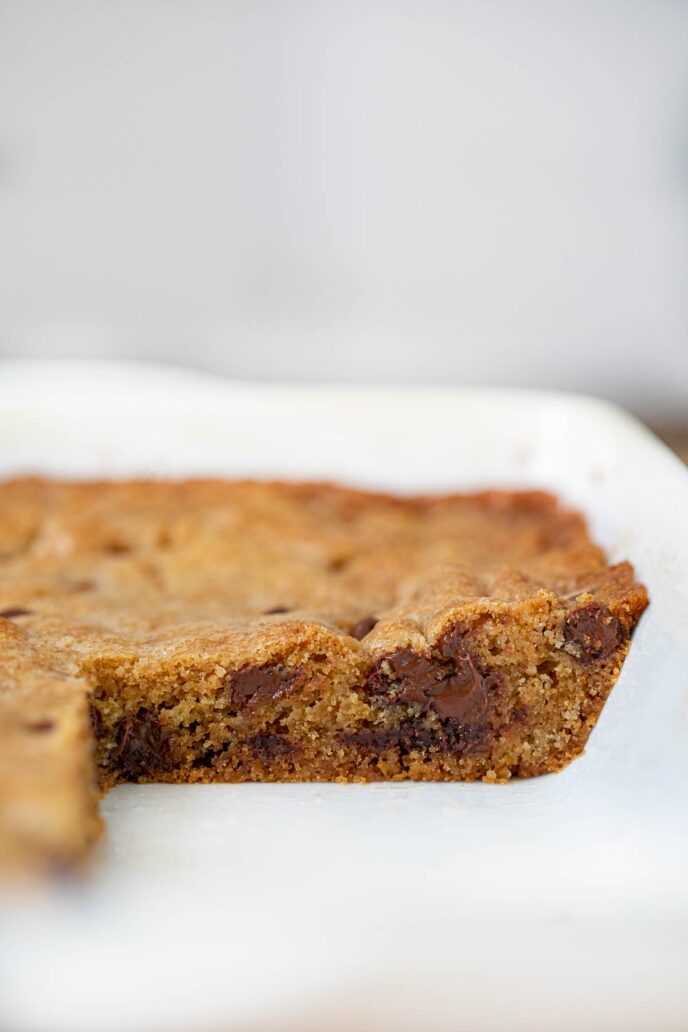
point(370, 740)
point(363, 627)
point(451, 683)
point(275, 610)
point(254, 685)
point(40, 726)
point(406, 737)
point(142, 746)
point(9, 614)
point(452, 737)
point(268, 746)
point(417, 674)
point(463, 695)
point(595, 631)
point(452, 641)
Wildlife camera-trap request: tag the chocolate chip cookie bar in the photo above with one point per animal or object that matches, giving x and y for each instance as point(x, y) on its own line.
point(239, 631)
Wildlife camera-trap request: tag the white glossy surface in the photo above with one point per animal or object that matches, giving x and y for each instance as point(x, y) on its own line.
point(428, 191)
point(553, 903)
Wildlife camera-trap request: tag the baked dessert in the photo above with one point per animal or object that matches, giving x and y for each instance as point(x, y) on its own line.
point(238, 631)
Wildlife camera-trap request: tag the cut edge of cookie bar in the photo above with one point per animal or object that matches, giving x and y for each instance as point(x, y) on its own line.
point(466, 681)
point(488, 687)
point(262, 705)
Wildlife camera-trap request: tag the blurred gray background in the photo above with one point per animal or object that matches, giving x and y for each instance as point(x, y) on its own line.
point(469, 192)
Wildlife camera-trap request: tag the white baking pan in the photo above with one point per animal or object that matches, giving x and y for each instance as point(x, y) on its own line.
point(555, 903)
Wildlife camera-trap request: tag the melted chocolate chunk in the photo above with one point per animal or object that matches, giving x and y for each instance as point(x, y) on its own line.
point(363, 627)
point(407, 737)
point(9, 614)
point(254, 685)
point(412, 736)
point(464, 694)
point(452, 641)
point(275, 610)
point(417, 675)
point(143, 746)
point(268, 746)
point(453, 685)
point(594, 630)
point(468, 738)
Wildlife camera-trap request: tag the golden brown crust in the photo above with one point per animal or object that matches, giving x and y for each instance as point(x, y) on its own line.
point(274, 631)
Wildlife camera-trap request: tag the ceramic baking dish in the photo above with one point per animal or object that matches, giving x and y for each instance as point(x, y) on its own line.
point(555, 903)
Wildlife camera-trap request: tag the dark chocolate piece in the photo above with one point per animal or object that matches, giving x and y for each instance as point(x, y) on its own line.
point(363, 627)
point(254, 685)
point(412, 736)
point(452, 641)
point(595, 631)
point(9, 614)
point(275, 610)
point(143, 746)
point(268, 746)
point(406, 737)
point(463, 695)
point(451, 682)
point(418, 675)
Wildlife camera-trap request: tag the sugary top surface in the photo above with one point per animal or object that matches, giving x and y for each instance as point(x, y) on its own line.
point(150, 566)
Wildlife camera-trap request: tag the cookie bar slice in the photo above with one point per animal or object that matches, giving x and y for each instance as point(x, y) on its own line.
point(48, 784)
point(493, 675)
point(257, 701)
point(475, 676)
